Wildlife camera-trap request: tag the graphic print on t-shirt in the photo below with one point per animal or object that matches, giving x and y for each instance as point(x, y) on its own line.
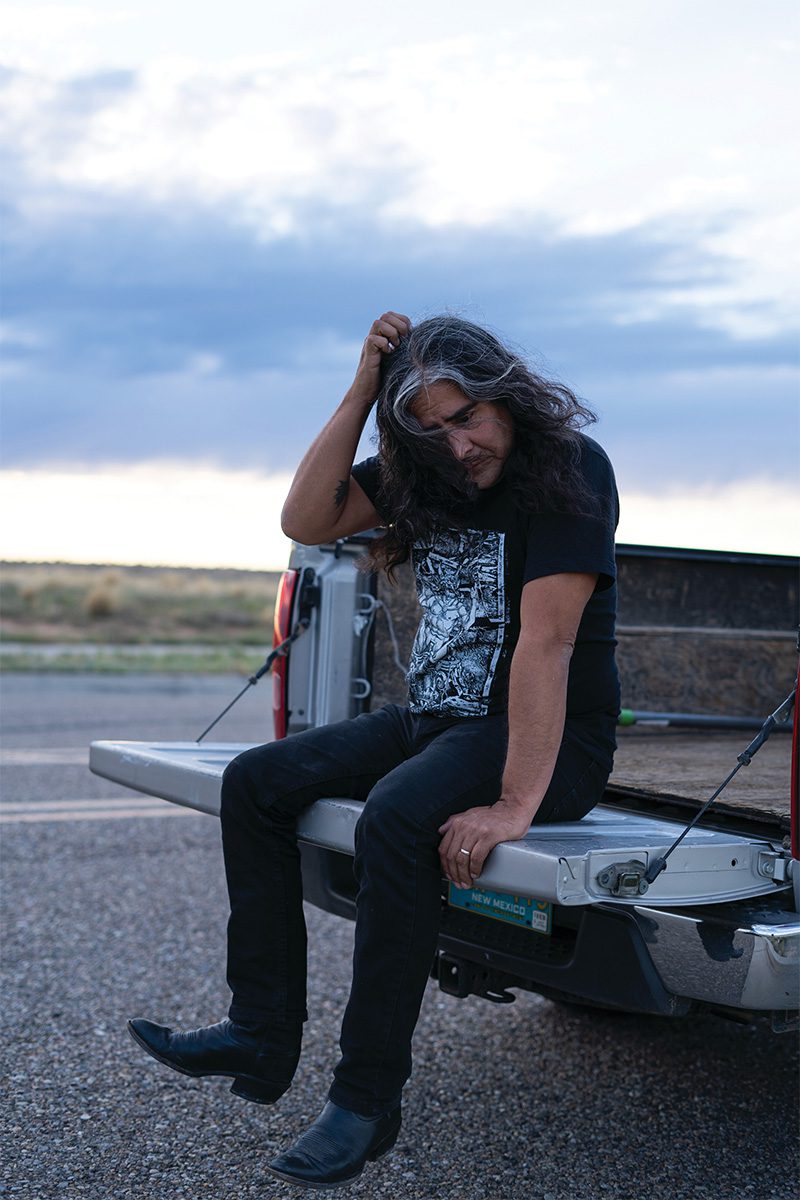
point(461, 589)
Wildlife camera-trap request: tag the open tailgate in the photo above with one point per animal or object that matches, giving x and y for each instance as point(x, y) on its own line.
point(562, 863)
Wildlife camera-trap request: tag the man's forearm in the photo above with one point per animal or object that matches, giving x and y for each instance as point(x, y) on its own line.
point(550, 615)
point(320, 484)
point(536, 714)
point(318, 507)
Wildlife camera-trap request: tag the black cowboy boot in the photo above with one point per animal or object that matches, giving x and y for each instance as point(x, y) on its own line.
point(336, 1147)
point(261, 1064)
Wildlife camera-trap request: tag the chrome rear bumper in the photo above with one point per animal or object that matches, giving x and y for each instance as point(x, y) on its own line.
point(752, 967)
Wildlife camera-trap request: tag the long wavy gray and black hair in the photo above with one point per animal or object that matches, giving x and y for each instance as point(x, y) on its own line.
point(423, 485)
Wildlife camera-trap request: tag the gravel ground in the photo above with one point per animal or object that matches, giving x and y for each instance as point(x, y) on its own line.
point(107, 919)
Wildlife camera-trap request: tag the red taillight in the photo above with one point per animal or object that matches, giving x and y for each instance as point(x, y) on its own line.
point(284, 602)
point(795, 819)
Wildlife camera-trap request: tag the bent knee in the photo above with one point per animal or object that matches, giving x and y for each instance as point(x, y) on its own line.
point(243, 779)
point(236, 775)
point(231, 792)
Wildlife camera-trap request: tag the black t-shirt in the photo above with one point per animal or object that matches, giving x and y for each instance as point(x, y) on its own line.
point(469, 582)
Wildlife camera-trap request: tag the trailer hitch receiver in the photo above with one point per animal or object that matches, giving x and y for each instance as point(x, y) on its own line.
point(458, 977)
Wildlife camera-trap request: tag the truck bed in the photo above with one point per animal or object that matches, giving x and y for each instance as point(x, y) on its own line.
point(678, 769)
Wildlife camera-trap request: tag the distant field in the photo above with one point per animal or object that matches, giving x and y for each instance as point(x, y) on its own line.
point(61, 616)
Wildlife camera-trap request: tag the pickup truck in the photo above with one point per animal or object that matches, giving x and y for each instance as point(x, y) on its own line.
point(707, 647)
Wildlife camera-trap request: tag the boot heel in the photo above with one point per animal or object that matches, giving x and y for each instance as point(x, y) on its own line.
point(257, 1090)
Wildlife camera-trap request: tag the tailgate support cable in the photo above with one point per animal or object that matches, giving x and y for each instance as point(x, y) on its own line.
point(778, 717)
point(281, 650)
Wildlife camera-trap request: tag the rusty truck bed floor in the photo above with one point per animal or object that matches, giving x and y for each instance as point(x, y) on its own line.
point(681, 768)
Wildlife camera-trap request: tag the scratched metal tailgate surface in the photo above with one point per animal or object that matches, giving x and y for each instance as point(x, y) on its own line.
point(558, 862)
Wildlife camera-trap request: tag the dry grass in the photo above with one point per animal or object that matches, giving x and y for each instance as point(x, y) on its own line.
point(228, 660)
point(64, 603)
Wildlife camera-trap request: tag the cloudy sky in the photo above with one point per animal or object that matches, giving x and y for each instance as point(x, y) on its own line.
point(206, 206)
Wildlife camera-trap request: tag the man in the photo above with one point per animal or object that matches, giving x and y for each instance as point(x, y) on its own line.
point(508, 513)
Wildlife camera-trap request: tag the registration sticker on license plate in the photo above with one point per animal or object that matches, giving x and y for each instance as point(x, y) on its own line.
point(536, 915)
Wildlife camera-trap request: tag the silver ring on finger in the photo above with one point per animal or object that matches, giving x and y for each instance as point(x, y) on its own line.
point(463, 851)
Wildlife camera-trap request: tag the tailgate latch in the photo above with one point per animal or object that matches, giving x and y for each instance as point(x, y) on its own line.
point(624, 879)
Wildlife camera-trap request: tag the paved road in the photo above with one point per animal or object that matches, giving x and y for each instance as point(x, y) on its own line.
point(115, 907)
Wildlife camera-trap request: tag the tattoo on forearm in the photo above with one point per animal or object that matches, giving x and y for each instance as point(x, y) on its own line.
point(340, 495)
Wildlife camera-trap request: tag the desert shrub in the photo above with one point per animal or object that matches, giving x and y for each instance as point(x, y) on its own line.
point(101, 601)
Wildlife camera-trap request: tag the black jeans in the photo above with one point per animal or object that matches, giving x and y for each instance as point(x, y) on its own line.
point(413, 772)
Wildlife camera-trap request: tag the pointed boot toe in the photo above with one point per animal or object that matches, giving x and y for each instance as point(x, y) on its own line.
point(156, 1040)
point(335, 1149)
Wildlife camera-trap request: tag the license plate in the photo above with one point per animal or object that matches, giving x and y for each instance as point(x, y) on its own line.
point(536, 915)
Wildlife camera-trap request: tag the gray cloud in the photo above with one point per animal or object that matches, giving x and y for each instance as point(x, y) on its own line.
point(146, 332)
